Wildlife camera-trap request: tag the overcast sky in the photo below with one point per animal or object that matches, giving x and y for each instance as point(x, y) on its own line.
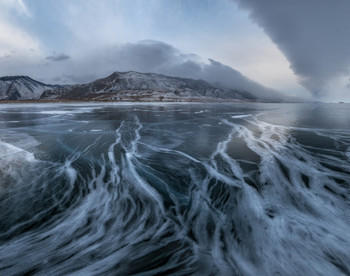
point(297, 47)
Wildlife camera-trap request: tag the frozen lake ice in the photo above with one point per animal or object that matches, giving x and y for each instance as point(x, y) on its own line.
point(151, 189)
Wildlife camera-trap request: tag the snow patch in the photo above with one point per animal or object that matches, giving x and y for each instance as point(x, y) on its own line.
point(241, 116)
point(10, 151)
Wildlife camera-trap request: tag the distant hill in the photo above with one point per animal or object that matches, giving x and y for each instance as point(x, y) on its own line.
point(144, 87)
point(22, 88)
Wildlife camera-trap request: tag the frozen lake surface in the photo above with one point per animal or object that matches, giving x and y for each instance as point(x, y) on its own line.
point(177, 189)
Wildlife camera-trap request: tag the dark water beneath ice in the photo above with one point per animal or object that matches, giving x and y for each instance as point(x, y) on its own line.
point(177, 189)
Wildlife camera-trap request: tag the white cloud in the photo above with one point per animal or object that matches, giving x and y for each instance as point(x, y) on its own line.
point(17, 6)
point(100, 24)
point(14, 41)
point(19, 51)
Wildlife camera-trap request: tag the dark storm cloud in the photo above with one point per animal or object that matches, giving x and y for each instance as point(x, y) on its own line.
point(314, 35)
point(59, 57)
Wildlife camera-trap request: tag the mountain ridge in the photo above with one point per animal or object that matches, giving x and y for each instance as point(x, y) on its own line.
point(132, 85)
point(120, 86)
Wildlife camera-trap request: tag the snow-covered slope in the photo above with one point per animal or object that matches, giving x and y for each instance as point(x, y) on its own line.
point(22, 88)
point(145, 86)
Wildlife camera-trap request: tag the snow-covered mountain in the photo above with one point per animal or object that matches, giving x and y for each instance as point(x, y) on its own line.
point(144, 87)
point(22, 88)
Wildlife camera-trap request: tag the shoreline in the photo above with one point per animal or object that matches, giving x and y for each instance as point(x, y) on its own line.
point(125, 101)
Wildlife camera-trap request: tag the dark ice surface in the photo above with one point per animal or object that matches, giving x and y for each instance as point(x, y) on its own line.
point(176, 189)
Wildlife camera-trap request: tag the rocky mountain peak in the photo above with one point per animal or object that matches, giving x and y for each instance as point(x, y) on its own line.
point(22, 88)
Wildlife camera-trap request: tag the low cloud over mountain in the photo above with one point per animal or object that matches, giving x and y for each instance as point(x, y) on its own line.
point(158, 57)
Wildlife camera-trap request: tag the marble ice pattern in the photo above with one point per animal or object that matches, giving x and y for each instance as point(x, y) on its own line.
point(120, 190)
